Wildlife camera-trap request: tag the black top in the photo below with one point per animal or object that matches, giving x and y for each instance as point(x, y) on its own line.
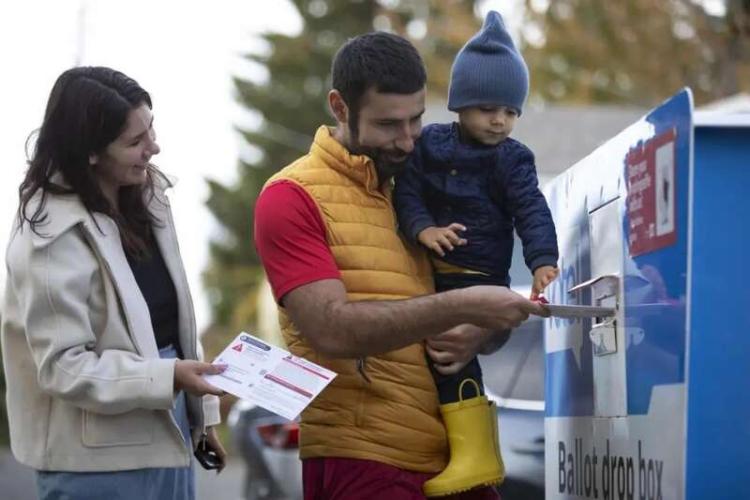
point(157, 288)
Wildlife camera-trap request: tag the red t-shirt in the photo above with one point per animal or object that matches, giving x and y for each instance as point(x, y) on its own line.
point(290, 237)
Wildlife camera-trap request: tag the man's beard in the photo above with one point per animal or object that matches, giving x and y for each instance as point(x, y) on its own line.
point(384, 166)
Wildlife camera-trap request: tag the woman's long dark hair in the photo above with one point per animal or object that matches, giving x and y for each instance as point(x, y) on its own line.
point(87, 110)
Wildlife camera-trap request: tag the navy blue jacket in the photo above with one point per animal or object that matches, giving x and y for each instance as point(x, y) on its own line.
point(488, 189)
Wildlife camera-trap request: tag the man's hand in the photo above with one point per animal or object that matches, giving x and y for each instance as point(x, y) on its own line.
point(497, 307)
point(453, 349)
point(440, 239)
point(543, 276)
point(187, 377)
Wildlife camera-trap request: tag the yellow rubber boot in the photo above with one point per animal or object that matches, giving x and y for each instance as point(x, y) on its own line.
point(498, 453)
point(475, 460)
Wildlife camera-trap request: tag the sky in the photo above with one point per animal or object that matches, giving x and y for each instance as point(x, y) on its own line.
point(183, 53)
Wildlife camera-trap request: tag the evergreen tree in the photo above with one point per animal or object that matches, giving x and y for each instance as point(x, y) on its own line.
point(292, 104)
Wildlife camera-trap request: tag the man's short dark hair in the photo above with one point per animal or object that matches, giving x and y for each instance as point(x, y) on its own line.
point(387, 62)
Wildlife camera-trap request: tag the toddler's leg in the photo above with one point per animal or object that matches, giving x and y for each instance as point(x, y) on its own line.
point(470, 423)
point(448, 385)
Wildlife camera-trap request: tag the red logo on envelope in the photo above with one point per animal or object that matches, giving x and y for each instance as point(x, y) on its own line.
point(238, 348)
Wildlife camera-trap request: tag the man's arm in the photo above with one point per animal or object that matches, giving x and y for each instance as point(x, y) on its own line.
point(292, 245)
point(337, 328)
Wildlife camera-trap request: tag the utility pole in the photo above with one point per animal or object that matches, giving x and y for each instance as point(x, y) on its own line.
point(80, 33)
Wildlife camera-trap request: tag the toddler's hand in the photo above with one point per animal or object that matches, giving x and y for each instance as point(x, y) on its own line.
point(543, 276)
point(440, 239)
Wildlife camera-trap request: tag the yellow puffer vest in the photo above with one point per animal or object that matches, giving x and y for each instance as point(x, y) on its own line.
point(394, 418)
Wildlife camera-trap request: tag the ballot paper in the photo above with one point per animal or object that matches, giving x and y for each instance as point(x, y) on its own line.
point(570, 311)
point(269, 376)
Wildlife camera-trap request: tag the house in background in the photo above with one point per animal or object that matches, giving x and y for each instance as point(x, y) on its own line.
point(558, 135)
point(737, 103)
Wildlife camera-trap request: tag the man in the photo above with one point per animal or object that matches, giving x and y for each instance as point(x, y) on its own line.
point(356, 298)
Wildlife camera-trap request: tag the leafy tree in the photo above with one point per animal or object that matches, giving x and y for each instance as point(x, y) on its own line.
point(438, 28)
point(636, 52)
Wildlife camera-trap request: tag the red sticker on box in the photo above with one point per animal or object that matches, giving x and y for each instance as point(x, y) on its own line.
point(650, 173)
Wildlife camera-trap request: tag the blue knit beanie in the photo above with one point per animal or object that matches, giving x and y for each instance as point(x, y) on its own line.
point(488, 70)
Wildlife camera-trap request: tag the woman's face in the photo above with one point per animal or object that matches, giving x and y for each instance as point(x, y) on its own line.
point(125, 161)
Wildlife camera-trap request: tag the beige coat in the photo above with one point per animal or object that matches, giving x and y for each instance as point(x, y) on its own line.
point(87, 390)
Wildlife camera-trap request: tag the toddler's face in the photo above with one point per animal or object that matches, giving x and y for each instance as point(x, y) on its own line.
point(489, 125)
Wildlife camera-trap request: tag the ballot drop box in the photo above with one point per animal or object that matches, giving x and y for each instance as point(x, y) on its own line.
point(653, 401)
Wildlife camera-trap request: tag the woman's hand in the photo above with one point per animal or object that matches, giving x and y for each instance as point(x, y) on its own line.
point(213, 442)
point(187, 377)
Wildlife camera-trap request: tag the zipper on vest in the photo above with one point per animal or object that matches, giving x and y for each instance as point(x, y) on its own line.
point(359, 410)
point(362, 367)
point(378, 194)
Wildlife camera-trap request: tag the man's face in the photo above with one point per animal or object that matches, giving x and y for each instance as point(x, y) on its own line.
point(387, 127)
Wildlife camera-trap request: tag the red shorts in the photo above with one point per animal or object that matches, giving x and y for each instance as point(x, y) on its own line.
point(353, 479)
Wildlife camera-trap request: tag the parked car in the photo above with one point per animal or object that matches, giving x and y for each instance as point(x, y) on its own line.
point(514, 379)
point(269, 446)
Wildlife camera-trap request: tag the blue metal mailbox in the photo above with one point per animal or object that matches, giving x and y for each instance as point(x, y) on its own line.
point(654, 402)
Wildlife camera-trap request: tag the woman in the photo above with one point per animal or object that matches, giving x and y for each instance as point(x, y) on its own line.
point(105, 394)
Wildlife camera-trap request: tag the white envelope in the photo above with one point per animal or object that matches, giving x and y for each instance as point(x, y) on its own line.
point(572, 311)
point(269, 376)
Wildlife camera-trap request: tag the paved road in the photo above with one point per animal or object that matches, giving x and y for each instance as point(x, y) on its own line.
point(17, 481)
